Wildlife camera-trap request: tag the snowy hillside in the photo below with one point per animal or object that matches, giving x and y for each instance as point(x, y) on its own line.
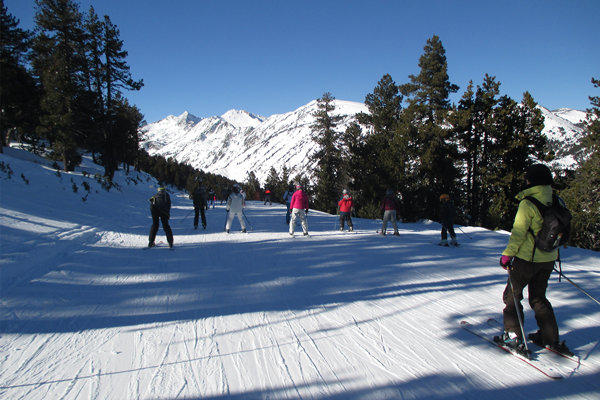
point(87, 313)
point(235, 143)
point(564, 130)
point(238, 142)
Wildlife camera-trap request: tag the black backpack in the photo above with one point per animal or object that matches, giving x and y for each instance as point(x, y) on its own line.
point(556, 228)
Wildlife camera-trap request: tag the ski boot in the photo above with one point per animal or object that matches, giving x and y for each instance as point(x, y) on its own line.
point(558, 347)
point(443, 242)
point(512, 341)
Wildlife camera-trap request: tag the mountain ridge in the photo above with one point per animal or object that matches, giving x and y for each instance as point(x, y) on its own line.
point(238, 141)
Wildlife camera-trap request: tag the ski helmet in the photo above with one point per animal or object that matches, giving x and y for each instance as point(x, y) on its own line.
point(444, 197)
point(345, 191)
point(389, 191)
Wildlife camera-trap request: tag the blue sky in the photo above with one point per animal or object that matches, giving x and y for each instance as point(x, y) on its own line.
point(271, 57)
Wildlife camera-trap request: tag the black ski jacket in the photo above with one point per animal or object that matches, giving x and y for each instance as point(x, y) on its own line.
point(162, 201)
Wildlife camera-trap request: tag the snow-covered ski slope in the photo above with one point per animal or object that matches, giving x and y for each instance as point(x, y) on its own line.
point(86, 314)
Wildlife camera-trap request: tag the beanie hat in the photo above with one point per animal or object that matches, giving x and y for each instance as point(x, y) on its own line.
point(538, 174)
point(298, 186)
point(444, 197)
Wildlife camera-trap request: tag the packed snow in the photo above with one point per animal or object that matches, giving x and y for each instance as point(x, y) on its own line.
point(88, 312)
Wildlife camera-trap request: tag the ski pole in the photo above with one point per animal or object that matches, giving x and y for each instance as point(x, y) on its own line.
point(244, 214)
point(464, 232)
point(186, 216)
point(517, 310)
point(574, 284)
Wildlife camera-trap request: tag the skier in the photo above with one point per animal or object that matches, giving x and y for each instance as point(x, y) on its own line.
point(528, 266)
point(235, 205)
point(299, 207)
point(447, 218)
point(225, 194)
point(200, 204)
point(160, 208)
point(268, 197)
point(212, 198)
point(346, 205)
point(287, 197)
point(389, 205)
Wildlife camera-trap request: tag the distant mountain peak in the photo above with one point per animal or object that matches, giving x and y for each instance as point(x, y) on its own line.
point(184, 119)
point(242, 119)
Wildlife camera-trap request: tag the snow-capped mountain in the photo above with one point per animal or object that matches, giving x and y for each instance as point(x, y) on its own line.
point(564, 130)
point(239, 142)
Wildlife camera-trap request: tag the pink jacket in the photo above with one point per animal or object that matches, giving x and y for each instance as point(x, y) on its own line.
point(299, 200)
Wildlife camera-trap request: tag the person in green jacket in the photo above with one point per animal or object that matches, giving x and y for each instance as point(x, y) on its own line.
point(529, 266)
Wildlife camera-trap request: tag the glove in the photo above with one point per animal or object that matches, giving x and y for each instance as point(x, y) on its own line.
point(506, 261)
point(227, 209)
point(306, 211)
point(151, 200)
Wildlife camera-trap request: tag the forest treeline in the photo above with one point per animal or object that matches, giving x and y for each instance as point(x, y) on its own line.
point(63, 93)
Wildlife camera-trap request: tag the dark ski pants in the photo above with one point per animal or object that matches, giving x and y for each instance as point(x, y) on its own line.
point(535, 276)
point(288, 216)
point(345, 217)
point(268, 199)
point(156, 216)
point(446, 230)
point(197, 212)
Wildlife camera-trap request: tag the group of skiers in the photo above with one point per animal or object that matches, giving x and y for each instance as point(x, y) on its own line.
point(529, 264)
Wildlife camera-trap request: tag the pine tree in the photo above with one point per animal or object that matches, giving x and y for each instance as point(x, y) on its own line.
point(583, 194)
point(328, 154)
point(116, 77)
point(273, 181)
point(518, 142)
point(429, 142)
point(18, 90)
point(474, 125)
point(58, 59)
point(377, 159)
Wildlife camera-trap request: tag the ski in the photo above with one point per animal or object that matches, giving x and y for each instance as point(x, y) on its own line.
point(457, 245)
point(537, 364)
point(157, 245)
point(573, 357)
